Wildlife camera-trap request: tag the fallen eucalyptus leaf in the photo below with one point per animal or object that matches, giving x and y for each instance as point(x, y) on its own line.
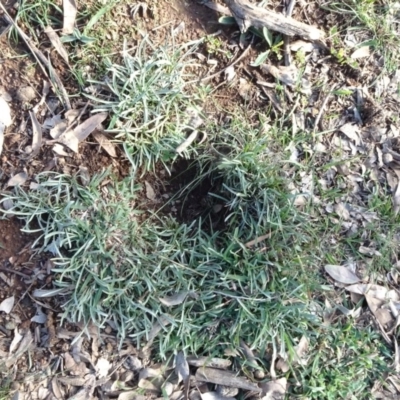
point(274, 389)
point(56, 42)
point(352, 132)
point(150, 193)
point(380, 292)
point(7, 304)
point(17, 180)
point(227, 378)
point(36, 135)
point(175, 299)
point(396, 200)
point(361, 52)
point(16, 340)
point(287, 75)
point(105, 143)
point(5, 120)
point(208, 362)
point(341, 274)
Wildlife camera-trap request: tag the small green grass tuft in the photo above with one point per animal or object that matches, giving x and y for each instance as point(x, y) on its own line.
point(147, 97)
point(375, 23)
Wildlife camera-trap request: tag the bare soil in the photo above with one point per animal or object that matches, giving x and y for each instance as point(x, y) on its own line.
point(21, 81)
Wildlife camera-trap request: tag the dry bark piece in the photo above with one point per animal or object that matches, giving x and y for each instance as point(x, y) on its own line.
point(227, 378)
point(247, 15)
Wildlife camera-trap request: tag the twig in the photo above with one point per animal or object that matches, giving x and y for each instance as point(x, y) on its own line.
point(323, 106)
point(244, 54)
point(12, 271)
point(286, 40)
point(42, 61)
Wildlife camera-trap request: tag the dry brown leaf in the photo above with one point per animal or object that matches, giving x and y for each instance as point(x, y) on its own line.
point(383, 315)
point(59, 149)
point(57, 389)
point(7, 304)
point(287, 75)
point(40, 317)
point(56, 42)
point(208, 362)
point(352, 132)
point(274, 390)
point(175, 299)
point(341, 274)
point(396, 200)
point(368, 251)
point(17, 180)
point(182, 370)
point(301, 350)
point(72, 380)
point(342, 211)
point(72, 137)
point(361, 52)
point(380, 292)
point(226, 378)
point(16, 340)
point(131, 395)
point(5, 120)
point(69, 11)
point(150, 193)
point(187, 142)
point(36, 135)
point(257, 240)
point(105, 143)
point(58, 129)
point(152, 385)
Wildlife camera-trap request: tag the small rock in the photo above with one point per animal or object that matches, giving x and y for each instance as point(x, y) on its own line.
point(26, 93)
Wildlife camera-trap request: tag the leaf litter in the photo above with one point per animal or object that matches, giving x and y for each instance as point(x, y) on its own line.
point(352, 143)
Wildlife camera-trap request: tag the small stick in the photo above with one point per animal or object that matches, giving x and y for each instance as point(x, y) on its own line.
point(323, 107)
point(230, 65)
point(42, 61)
point(286, 40)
